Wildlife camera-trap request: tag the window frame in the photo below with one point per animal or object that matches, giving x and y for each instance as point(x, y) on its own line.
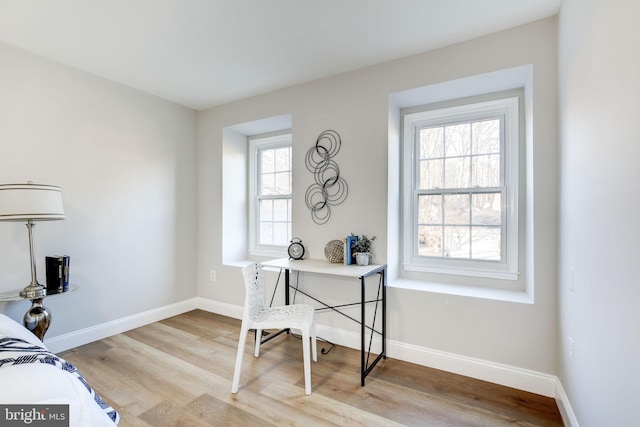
point(257, 143)
point(508, 108)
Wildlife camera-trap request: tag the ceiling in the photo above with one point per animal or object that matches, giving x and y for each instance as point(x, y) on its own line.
point(203, 53)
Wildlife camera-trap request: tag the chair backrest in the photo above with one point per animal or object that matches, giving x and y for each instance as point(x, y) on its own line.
point(254, 285)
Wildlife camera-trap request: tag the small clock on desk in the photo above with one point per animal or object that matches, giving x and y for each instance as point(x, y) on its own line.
point(296, 249)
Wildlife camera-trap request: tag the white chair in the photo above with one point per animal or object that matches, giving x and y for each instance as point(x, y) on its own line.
point(259, 317)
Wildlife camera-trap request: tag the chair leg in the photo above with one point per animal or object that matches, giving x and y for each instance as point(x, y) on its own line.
point(306, 361)
point(314, 346)
point(238, 368)
point(256, 352)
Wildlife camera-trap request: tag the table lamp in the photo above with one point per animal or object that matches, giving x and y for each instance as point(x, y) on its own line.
point(31, 202)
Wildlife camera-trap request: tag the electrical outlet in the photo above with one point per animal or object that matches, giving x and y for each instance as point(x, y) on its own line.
point(572, 350)
point(212, 275)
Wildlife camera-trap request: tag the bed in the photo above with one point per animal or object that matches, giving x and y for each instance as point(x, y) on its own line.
point(31, 375)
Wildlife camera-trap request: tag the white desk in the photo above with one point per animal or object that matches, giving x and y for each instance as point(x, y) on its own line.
point(351, 271)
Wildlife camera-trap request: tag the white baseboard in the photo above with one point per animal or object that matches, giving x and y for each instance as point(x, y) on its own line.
point(98, 332)
point(222, 308)
point(510, 376)
point(507, 375)
point(568, 416)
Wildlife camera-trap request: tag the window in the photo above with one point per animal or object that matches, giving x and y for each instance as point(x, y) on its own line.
point(460, 187)
point(270, 204)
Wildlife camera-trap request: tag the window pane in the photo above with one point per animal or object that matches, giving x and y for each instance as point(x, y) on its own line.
point(486, 137)
point(267, 163)
point(267, 184)
point(486, 244)
point(271, 175)
point(459, 181)
point(431, 174)
point(431, 143)
point(275, 178)
point(282, 159)
point(457, 140)
point(456, 209)
point(266, 233)
point(280, 210)
point(456, 172)
point(487, 209)
point(275, 222)
point(282, 183)
point(486, 171)
point(266, 210)
point(430, 241)
point(430, 210)
point(280, 233)
point(457, 242)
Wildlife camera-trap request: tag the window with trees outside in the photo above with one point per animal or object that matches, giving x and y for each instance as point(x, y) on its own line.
point(461, 190)
point(270, 206)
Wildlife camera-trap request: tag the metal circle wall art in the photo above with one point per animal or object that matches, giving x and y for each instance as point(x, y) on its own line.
point(329, 188)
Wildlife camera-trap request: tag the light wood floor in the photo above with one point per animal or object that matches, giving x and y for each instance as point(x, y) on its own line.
point(178, 372)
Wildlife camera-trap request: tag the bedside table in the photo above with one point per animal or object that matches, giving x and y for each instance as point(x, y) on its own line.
point(38, 318)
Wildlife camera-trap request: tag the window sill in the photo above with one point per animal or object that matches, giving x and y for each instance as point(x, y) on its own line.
point(464, 271)
point(517, 296)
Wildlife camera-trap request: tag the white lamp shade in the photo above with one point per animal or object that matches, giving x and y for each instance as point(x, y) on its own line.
point(37, 202)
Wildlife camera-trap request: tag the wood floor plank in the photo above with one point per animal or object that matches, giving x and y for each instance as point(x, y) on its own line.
point(328, 408)
point(166, 414)
point(178, 372)
point(112, 383)
point(511, 402)
point(173, 376)
point(218, 413)
point(410, 406)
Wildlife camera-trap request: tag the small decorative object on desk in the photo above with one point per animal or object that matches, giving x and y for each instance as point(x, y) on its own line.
point(57, 268)
point(334, 251)
point(296, 249)
point(362, 249)
point(348, 253)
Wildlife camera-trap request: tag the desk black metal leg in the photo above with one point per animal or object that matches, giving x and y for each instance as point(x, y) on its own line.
point(286, 286)
point(286, 291)
point(384, 313)
point(362, 332)
point(366, 367)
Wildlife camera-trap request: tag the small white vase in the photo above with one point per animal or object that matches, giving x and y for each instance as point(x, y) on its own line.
point(362, 258)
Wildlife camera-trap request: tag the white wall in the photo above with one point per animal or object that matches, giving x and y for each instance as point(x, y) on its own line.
point(126, 164)
point(599, 209)
point(357, 106)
